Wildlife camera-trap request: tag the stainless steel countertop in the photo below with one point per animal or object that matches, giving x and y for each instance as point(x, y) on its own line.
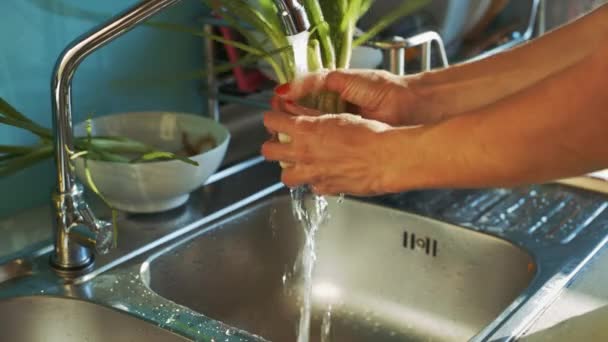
point(30, 230)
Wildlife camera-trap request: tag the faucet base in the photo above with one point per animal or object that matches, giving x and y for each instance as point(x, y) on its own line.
point(72, 272)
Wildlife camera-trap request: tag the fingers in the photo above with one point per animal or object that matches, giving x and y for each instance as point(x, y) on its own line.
point(291, 107)
point(299, 174)
point(358, 87)
point(354, 86)
point(312, 83)
point(276, 151)
point(295, 174)
point(279, 122)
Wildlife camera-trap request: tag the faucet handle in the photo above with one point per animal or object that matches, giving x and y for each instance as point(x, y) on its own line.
point(99, 234)
point(104, 237)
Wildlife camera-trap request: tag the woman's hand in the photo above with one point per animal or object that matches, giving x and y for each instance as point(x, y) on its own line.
point(334, 153)
point(374, 94)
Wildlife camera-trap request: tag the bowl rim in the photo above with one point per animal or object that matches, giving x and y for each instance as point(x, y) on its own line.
point(225, 140)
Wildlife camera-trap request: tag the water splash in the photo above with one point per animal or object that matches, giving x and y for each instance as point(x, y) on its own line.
point(299, 45)
point(326, 325)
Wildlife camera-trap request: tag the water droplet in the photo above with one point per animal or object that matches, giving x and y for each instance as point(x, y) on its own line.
point(229, 332)
point(341, 198)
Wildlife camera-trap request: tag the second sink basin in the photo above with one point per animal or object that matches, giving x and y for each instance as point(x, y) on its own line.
point(381, 274)
point(52, 319)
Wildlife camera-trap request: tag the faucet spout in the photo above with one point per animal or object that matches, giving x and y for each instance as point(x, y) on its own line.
point(71, 251)
point(292, 16)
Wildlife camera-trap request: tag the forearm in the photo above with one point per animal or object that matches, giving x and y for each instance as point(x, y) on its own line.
point(556, 128)
point(468, 86)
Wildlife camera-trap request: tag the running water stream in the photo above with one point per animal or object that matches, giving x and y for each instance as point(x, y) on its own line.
point(311, 211)
point(308, 208)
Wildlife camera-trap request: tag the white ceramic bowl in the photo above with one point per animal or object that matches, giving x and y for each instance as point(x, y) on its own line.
point(153, 186)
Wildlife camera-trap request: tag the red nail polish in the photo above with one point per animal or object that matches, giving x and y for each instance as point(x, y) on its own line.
point(290, 102)
point(283, 89)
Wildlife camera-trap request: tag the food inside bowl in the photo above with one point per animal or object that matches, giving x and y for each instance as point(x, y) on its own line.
point(125, 150)
point(201, 145)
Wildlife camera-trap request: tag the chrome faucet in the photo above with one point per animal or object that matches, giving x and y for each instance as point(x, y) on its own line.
point(293, 16)
point(73, 244)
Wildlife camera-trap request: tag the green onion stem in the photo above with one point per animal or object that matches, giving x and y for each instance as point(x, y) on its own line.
point(322, 33)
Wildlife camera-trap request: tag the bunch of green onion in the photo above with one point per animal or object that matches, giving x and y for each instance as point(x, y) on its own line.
point(332, 34)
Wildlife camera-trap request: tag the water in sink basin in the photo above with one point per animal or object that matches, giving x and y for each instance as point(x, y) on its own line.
point(51, 319)
point(386, 275)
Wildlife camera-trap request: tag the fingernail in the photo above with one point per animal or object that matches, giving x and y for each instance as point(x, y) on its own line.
point(290, 102)
point(283, 89)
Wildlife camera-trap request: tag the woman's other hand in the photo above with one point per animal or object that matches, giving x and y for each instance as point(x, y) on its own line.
point(334, 153)
point(374, 94)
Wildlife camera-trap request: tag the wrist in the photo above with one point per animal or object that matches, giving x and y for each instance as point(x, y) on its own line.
point(425, 104)
point(402, 160)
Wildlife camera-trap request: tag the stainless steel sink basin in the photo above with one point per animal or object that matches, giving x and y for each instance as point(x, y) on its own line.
point(385, 275)
point(50, 319)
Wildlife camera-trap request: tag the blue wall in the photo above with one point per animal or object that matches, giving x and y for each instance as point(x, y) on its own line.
point(34, 32)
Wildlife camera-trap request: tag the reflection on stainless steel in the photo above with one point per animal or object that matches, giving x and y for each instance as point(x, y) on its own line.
point(387, 275)
point(15, 269)
point(536, 21)
point(71, 210)
point(52, 319)
point(116, 282)
point(562, 228)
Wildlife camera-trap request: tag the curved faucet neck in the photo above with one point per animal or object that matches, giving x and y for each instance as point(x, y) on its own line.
point(70, 209)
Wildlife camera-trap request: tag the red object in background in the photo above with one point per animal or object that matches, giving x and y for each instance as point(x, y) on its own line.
point(247, 81)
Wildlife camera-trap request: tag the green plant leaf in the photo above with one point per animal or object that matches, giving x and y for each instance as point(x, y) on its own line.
point(405, 9)
point(18, 163)
point(42, 132)
point(239, 12)
point(249, 59)
point(11, 112)
point(16, 149)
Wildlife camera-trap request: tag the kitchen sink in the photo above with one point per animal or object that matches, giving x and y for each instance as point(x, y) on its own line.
point(52, 319)
point(381, 274)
